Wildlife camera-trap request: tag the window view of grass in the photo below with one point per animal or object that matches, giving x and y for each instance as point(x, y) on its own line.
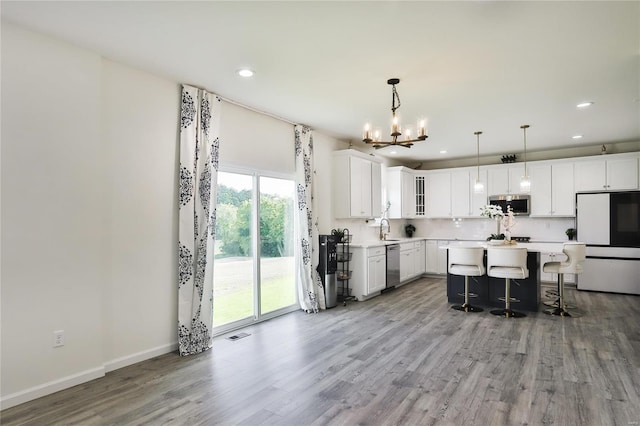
point(237, 302)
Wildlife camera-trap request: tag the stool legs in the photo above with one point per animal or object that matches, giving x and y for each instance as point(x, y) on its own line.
point(507, 312)
point(466, 306)
point(555, 303)
point(560, 309)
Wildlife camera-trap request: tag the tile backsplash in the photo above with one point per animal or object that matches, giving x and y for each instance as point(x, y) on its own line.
point(538, 229)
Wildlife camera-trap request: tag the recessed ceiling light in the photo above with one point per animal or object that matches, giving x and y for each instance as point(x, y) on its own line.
point(576, 137)
point(443, 152)
point(393, 152)
point(245, 72)
point(584, 104)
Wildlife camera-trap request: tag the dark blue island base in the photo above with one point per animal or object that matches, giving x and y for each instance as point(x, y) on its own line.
point(490, 289)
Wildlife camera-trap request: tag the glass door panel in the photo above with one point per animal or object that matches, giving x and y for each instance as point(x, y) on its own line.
point(233, 272)
point(277, 266)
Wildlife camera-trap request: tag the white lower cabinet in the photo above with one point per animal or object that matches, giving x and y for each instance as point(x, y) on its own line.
point(369, 275)
point(376, 273)
point(407, 262)
point(412, 260)
point(436, 257)
point(420, 258)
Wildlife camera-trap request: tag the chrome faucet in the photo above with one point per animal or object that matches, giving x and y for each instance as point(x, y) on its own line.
point(383, 235)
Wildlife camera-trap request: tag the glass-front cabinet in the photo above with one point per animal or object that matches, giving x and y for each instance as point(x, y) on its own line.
point(420, 196)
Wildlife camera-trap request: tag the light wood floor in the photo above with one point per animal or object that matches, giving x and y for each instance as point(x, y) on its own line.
point(404, 358)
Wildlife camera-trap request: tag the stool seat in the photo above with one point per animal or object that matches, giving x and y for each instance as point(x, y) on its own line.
point(561, 268)
point(508, 263)
point(467, 262)
point(466, 270)
point(508, 272)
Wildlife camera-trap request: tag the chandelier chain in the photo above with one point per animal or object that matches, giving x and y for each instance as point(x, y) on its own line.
point(394, 97)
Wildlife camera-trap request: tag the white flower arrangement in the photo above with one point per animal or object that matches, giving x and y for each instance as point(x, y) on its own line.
point(491, 211)
point(508, 222)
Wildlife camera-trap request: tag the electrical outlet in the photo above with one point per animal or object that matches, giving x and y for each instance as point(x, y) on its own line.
point(58, 338)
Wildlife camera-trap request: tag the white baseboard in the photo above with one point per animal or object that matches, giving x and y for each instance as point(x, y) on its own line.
point(50, 387)
point(128, 360)
point(82, 377)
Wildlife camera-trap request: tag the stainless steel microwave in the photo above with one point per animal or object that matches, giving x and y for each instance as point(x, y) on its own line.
point(520, 203)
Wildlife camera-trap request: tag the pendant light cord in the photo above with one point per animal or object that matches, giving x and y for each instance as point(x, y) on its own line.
point(524, 128)
point(478, 153)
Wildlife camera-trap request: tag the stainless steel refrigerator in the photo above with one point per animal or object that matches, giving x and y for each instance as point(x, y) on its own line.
point(609, 223)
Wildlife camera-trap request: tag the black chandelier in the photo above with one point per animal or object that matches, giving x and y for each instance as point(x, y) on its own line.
point(374, 138)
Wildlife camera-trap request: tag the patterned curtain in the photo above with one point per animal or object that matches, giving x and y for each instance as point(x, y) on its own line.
point(310, 290)
point(199, 146)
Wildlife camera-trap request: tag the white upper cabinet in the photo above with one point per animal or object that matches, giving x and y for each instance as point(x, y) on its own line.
point(563, 199)
point(356, 185)
point(401, 193)
point(505, 179)
point(360, 184)
point(552, 189)
point(461, 190)
point(591, 175)
point(607, 173)
point(451, 193)
point(622, 173)
point(439, 200)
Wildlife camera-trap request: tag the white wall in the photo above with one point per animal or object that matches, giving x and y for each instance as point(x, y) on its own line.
point(140, 131)
point(54, 214)
point(89, 219)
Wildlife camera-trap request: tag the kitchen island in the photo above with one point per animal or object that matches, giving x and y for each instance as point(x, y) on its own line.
point(489, 290)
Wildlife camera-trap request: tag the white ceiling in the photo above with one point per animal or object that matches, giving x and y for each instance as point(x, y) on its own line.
point(465, 66)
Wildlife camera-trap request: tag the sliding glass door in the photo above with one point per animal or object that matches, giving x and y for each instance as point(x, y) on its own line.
point(253, 280)
point(277, 284)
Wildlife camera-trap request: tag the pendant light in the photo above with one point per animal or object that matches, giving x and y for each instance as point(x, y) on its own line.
point(525, 182)
point(478, 187)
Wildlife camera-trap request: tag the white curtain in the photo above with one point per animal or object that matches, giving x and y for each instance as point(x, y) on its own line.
point(310, 290)
point(199, 147)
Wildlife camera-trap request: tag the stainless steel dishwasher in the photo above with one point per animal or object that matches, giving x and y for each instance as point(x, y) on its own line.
point(393, 266)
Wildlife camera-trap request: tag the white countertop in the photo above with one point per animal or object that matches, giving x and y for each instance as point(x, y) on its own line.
point(378, 243)
point(541, 247)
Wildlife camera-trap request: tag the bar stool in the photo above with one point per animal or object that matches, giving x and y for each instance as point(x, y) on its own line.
point(468, 262)
point(576, 255)
point(553, 295)
point(508, 263)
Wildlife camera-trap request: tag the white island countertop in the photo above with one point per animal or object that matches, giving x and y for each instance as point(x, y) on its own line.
point(531, 247)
